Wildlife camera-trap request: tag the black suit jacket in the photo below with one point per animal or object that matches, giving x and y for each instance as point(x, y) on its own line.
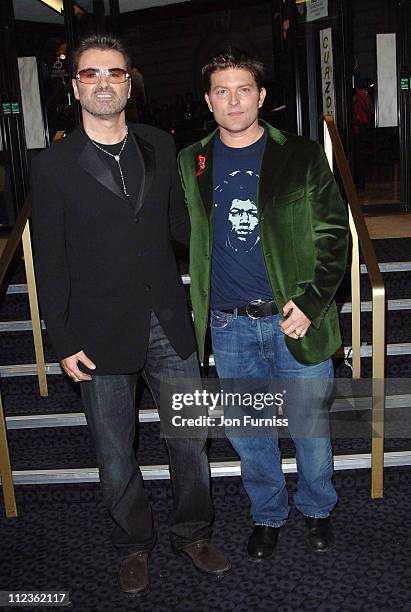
point(101, 265)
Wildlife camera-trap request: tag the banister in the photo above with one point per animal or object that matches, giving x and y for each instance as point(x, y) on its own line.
point(361, 237)
point(13, 240)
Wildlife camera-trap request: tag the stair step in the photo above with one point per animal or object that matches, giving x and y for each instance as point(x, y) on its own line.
point(366, 351)
point(398, 327)
point(17, 288)
point(14, 305)
point(393, 266)
point(393, 251)
point(72, 447)
point(346, 308)
point(14, 326)
point(30, 369)
point(403, 304)
point(17, 347)
point(21, 396)
point(75, 419)
point(397, 286)
point(67, 419)
point(388, 267)
point(218, 469)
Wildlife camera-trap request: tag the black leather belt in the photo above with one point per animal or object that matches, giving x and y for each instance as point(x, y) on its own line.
point(255, 309)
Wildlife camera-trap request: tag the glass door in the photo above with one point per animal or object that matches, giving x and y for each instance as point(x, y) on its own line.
point(376, 160)
point(13, 158)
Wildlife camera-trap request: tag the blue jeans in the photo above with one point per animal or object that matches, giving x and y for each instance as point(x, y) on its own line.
point(109, 403)
point(255, 349)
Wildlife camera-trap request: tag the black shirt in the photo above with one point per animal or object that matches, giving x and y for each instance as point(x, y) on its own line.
point(130, 166)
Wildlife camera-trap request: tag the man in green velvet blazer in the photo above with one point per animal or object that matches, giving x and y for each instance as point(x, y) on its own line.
point(271, 298)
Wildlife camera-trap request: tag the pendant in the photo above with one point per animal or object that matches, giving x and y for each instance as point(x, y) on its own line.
point(117, 158)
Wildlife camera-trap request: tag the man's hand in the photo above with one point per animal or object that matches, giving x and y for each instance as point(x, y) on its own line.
point(296, 325)
point(69, 365)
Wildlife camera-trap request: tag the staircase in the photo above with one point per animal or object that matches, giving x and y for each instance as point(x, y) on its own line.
point(49, 440)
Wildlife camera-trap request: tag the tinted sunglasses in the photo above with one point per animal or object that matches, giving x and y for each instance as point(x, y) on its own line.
point(93, 75)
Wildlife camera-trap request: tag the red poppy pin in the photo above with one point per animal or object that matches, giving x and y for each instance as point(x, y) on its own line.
point(201, 164)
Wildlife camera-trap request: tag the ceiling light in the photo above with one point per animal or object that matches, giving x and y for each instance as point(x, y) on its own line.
point(56, 5)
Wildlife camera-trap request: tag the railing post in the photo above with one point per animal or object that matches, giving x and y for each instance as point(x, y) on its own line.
point(5, 469)
point(34, 311)
point(378, 393)
point(355, 272)
point(359, 230)
point(355, 300)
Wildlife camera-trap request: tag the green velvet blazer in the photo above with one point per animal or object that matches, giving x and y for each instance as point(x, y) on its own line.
point(303, 228)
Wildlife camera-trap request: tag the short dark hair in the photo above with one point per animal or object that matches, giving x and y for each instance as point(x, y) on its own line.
point(233, 57)
point(104, 42)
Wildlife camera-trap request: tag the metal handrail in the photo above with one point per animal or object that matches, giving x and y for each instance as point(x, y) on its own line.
point(360, 236)
point(13, 240)
point(20, 233)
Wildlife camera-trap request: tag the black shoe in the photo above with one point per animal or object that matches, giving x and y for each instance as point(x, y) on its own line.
point(262, 542)
point(206, 558)
point(133, 573)
point(319, 536)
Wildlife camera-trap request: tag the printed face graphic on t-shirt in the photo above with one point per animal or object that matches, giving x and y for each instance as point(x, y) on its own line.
point(236, 196)
point(244, 221)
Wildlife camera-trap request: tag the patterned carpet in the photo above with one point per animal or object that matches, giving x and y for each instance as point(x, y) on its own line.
point(61, 541)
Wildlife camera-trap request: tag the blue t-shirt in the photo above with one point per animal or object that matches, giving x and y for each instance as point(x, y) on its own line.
point(238, 273)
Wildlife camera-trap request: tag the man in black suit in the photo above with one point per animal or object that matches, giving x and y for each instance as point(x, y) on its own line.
point(106, 204)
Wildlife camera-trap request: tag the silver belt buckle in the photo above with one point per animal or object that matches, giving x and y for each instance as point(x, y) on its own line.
point(250, 305)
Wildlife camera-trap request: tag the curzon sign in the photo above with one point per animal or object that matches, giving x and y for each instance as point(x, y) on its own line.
point(327, 72)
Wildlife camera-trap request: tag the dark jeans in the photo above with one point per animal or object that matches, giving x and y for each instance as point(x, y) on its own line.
point(109, 403)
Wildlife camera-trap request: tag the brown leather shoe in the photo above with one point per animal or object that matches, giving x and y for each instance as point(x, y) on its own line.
point(206, 558)
point(133, 573)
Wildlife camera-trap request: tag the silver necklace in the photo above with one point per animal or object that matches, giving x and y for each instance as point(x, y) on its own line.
point(117, 158)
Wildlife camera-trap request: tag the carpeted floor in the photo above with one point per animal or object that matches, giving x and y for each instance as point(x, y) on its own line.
point(61, 541)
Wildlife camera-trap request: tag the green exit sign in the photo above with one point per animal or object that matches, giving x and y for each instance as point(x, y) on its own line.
point(11, 108)
point(405, 83)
